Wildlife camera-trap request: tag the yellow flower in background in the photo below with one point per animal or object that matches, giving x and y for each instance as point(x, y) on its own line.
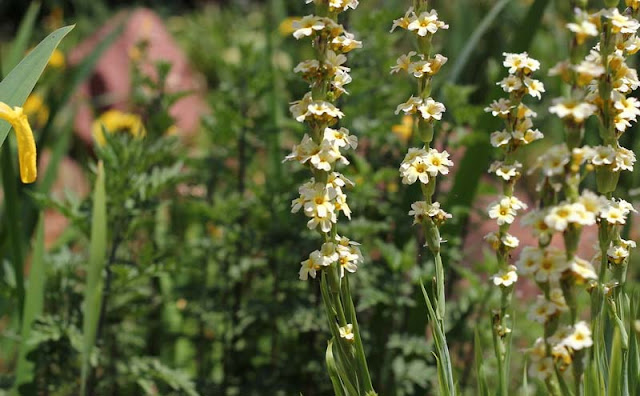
point(116, 121)
point(36, 109)
point(57, 60)
point(405, 129)
point(286, 27)
point(26, 144)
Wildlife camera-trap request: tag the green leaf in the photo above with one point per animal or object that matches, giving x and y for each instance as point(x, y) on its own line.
point(18, 84)
point(97, 254)
point(33, 307)
point(334, 374)
point(13, 221)
point(483, 388)
point(445, 376)
point(21, 42)
point(532, 21)
point(463, 57)
point(615, 366)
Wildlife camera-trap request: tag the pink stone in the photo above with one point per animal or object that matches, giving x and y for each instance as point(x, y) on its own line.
point(112, 75)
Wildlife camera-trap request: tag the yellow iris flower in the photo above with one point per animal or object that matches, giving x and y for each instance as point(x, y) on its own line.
point(26, 144)
point(114, 121)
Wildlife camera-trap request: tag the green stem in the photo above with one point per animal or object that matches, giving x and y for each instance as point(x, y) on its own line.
point(12, 205)
point(361, 358)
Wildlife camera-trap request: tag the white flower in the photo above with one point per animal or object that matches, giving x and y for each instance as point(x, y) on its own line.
point(303, 151)
point(317, 201)
point(421, 209)
point(529, 260)
point(300, 108)
point(505, 171)
point(614, 214)
point(510, 84)
point(346, 332)
point(580, 338)
point(348, 261)
point(506, 278)
point(431, 109)
point(500, 138)
point(617, 253)
point(625, 159)
point(535, 221)
point(505, 210)
point(542, 369)
point(573, 111)
point(311, 265)
point(320, 108)
point(341, 137)
point(307, 67)
point(307, 26)
point(559, 217)
point(552, 266)
point(522, 61)
point(510, 241)
point(501, 108)
point(556, 296)
point(437, 162)
point(345, 43)
point(335, 61)
point(326, 156)
point(419, 68)
point(593, 202)
point(404, 22)
point(403, 62)
point(427, 23)
point(410, 106)
point(534, 87)
point(583, 29)
point(542, 310)
point(554, 160)
point(418, 170)
point(621, 23)
point(582, 269)
point(324, 257)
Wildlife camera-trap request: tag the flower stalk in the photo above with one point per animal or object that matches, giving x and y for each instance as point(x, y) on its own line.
point(518, 132)
point(425, 164)
point(323, 198)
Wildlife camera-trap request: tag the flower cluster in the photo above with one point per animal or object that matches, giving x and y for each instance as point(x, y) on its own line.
point(519, 131)
point(600, 85)
point(323, 198)
point(565, 344)
point(343, 252)
point(423, 164)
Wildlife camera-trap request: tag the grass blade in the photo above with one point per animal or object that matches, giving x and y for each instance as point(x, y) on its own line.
point(463, 57)
point(334, 372)
point(21, 42)
point(19, 83)
point(445, 375)
point(13, 221)
point(33, 307)
point(532, 21)
point(483, 388)
point(97, 256)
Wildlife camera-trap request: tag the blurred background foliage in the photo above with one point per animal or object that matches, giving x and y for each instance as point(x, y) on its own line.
point(201, 294)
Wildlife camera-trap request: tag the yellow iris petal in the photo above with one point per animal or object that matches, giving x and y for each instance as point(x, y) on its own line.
point(26, 142)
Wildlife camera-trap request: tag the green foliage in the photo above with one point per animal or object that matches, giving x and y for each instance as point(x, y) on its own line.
point(200, 250)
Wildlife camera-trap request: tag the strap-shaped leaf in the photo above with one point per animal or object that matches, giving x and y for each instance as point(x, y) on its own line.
point(19, 83)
